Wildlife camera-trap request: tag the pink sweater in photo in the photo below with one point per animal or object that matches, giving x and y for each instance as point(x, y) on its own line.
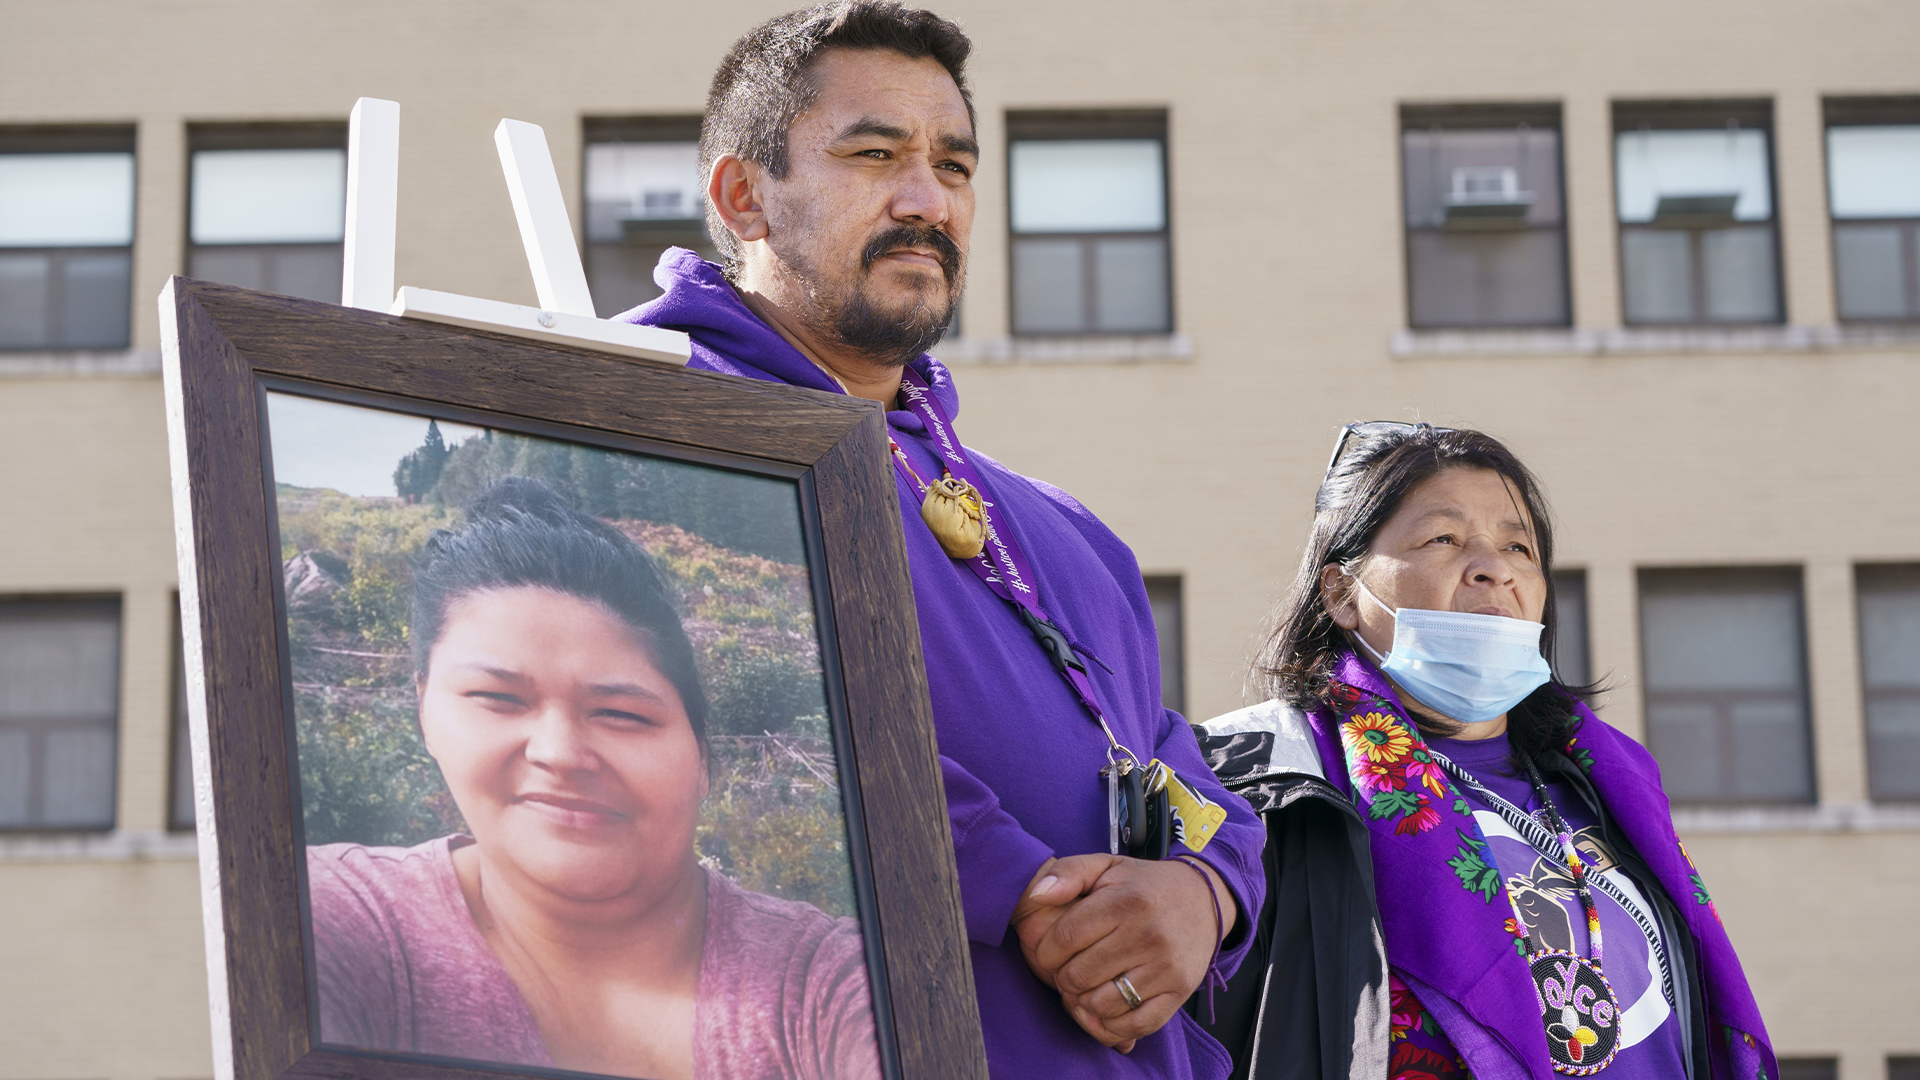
point(782, 993)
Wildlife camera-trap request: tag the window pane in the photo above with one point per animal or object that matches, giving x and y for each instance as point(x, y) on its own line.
point(59, 707)
point(1514, 278)
point(311, 272)
point(1163, 593)
point(1738, 266)
point(78, 779)
point(95, 299)
point(268, 196)
point(641, 181)
point(1903, 1068)
point(620, 273)
point(1770, 753)
point(25, 290)
point(1722, 639)
point(66, 200)
point(1570, 627)
point(1890, 677)
point(1131, 278)
point(240, 265)
point(59, 661)
point(1657, 267)
point(16, 776)
point(1454, 170)
point(1871, 270)
point(1048, 293)
point(1725, 677)
point(1893, 745)
point(1809, 1069)
point(1655, 165)
point(1685, 740)
point(1874, 171)
point(1088, 185)
point(180, 798)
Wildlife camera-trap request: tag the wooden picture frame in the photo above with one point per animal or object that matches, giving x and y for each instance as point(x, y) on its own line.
point(227, 348)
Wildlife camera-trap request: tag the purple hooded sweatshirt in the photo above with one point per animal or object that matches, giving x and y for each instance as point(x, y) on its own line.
point(1019, 755)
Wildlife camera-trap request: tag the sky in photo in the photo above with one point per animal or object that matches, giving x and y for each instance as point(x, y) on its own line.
point(349, 448)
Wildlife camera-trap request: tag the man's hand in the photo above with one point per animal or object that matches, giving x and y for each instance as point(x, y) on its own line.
point(1102, 916)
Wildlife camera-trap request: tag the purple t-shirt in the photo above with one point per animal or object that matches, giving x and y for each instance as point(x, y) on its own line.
point(782, 990)
point(1651, 1044)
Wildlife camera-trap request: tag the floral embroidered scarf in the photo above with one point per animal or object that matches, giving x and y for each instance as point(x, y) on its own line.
point(1444, 913)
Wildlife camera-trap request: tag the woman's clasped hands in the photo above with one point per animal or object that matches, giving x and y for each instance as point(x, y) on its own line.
point(1094, 926)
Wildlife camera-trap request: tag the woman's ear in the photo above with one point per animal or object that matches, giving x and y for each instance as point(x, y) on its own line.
point(1336, 596)
point(733, 187)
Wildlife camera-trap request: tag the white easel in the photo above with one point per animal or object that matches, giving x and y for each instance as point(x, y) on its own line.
point(559, 280)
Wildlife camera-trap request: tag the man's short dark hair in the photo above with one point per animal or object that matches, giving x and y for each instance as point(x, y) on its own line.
point(763, 84)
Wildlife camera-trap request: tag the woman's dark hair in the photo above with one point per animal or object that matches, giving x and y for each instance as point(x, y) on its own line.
point(764, 83)
point(519, 534)
point(1372, 476)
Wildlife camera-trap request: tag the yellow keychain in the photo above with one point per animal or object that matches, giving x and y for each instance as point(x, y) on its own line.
point(1194, 817)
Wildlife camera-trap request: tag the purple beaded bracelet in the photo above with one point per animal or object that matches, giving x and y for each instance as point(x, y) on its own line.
point(1214, 980)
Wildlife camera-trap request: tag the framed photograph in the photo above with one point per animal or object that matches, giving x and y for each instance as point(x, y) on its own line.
point(553, 713)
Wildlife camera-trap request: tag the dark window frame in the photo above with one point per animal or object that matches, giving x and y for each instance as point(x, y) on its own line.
point(1485, 117)
point(1728, 578)
point(176, 724)
point(77, 139)
point(1864, 112)
point(661, 128)
point(1565, 576)
point(1068, 125)
point(118, 602)
point(1629, 115)
point(256, 135)
point(1865, 577)
point(1177, 583)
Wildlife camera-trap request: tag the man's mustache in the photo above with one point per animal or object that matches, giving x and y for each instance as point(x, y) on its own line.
point(902, 237)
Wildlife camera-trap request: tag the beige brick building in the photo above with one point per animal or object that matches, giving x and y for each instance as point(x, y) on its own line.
point(1666, 250)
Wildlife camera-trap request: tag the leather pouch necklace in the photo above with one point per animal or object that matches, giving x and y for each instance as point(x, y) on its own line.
point(1578, 1008)
point(1148, 806)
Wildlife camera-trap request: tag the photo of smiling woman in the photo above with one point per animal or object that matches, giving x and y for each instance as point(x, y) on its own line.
point(571, 924)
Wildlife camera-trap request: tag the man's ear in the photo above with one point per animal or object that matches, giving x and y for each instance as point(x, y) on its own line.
point(1336, 596)
point(733, 187)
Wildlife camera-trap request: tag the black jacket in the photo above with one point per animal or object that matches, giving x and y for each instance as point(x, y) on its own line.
point(1310, 1000)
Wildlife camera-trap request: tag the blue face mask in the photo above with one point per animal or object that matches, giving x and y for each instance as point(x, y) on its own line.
point(1469, 667)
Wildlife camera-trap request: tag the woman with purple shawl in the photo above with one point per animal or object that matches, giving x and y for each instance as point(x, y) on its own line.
point(1513, 857)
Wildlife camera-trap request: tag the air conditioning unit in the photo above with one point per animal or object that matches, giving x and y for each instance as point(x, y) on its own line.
point(1695, 211)
point(1486, 197)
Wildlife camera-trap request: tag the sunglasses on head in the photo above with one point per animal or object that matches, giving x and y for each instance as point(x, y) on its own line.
point(1367, 428)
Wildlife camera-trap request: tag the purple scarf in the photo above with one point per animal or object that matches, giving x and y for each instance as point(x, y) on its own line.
point(1441, 905)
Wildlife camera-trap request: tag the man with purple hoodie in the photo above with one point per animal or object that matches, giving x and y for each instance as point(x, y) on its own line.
point(839, 151)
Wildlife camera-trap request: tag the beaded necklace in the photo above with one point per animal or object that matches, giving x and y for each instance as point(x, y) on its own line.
point(1578, 1008)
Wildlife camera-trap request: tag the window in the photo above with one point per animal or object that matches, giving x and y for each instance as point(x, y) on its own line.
point(645, 194)
point(1163, 593)
point(1809, 1068)
point(180, 784)
point(1873, 193)
point(1724, 664)
point(59, 712)
point(1571, 658)
point(267, 207)
point(66, 237)
point(1890, 677)
point(1087, 202)
point(1486, 227)
point(1903, 1068)
point(1693, 185)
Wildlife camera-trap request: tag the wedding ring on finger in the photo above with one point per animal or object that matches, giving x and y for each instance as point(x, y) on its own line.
point(1127, 991)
